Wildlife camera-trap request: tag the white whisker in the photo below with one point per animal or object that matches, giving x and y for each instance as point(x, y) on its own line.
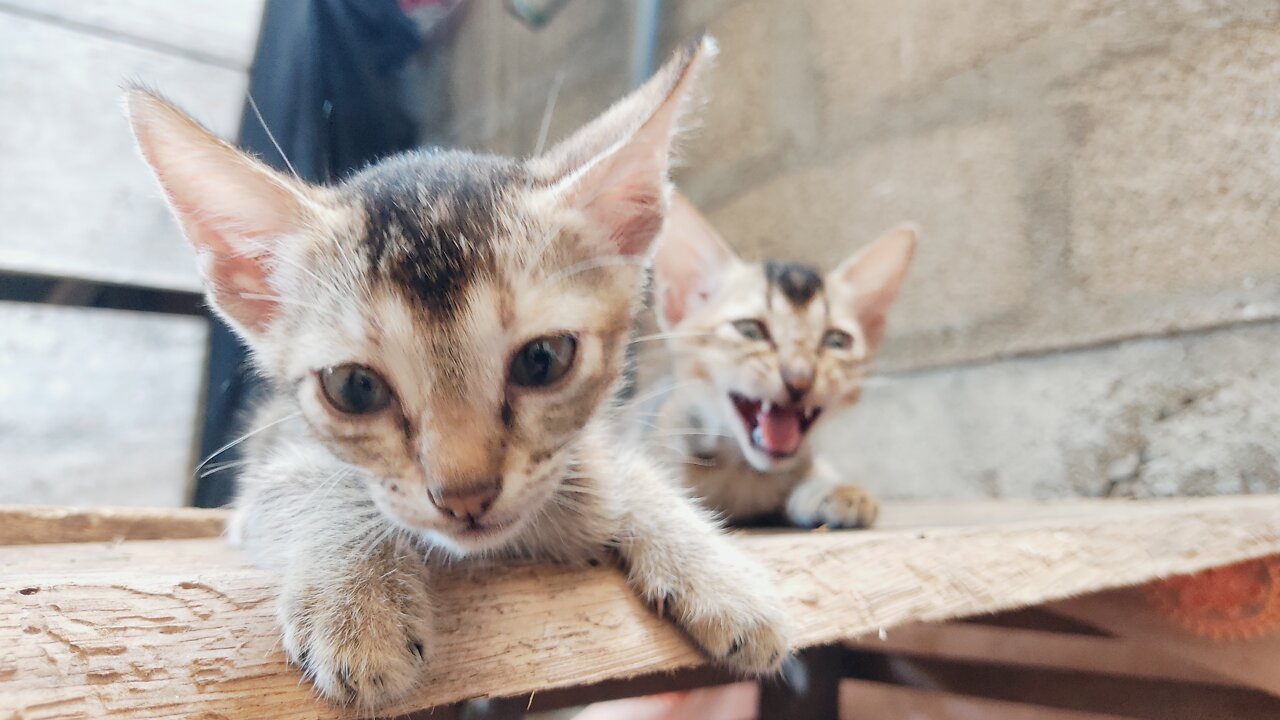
point(244, 437)
point(253, 104)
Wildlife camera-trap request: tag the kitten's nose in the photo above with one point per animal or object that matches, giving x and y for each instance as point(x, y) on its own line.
point(467, 503)
point(798, 379)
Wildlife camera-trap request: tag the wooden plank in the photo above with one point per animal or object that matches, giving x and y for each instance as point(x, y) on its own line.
point(97, 406)
point(56, 524)
point(75, 197)
point(1255, 663)
point(1085, 692)
point(863, 700)
point(1032, 648)
point(221, 32)
point(130, 628)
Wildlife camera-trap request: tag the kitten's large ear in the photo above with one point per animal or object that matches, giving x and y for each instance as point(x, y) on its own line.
point(874, 275)
point(689, 263)
point(232, 208)
point(615, 168)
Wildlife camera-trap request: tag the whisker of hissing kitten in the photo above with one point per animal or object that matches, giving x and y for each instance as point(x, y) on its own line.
point(656, 392)
point(691, 432)
point(244, 437)
point(669, 335)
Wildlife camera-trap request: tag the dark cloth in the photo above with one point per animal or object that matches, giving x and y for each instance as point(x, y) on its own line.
point(327, 79)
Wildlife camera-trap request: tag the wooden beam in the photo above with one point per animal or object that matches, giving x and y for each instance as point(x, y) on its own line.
point(862, 700)
point(153, 629)
point(1254, 663)
point(48, 524)
point(1038, 649)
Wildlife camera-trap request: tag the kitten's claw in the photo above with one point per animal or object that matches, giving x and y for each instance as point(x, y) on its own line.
point(357, 651)
point(737, 623)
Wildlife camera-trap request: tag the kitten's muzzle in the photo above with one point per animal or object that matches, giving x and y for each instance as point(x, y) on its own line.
point(469, 503)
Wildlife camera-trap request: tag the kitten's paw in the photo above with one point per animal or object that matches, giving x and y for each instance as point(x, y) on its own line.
point(843, 506)
point(364, 649)
point(737, 621)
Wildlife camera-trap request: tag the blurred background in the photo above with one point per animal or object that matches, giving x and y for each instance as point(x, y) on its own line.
point(1095, 308)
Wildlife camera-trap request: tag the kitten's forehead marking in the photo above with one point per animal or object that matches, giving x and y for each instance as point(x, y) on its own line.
point(431, 220)
point(798, 283)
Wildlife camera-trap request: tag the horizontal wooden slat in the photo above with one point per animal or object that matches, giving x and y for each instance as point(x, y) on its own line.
point(1032, 648)
point(861, 700)
point(51, 524)
point(134, 627)
point(97, 406)
point(223, 32)
point(1255, 663)
point(75, 197)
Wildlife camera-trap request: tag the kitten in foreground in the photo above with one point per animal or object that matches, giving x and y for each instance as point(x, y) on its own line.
point(444, 333)
point(760, 353)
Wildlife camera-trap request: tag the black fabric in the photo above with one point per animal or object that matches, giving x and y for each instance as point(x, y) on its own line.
point(326, 78)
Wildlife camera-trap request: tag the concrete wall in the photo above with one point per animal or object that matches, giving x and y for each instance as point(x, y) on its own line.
point(1096, 299)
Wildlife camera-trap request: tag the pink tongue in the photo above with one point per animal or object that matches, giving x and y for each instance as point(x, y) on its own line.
point(780, 431)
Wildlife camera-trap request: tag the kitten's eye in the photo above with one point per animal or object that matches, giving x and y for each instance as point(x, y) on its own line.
point(838, 339)
point(354, 389)
point(543, 361)
point(751, 329)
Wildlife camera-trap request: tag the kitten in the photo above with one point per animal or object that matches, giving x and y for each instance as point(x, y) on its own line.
point(760, 353)
point(444, 333)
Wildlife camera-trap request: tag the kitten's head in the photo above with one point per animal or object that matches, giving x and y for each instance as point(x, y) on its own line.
point(781, 344)
point(448, 322)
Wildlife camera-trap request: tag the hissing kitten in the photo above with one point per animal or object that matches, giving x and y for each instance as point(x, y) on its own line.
point(760, 353)
point(444, 333)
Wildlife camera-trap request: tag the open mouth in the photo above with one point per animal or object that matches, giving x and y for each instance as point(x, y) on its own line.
point(774, 429)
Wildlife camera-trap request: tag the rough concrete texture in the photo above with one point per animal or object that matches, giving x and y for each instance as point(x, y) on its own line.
point(1192, 415)
point(959, 183)
point(1087, 172)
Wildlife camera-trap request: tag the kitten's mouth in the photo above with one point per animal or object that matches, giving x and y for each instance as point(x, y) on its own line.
point(777, 430)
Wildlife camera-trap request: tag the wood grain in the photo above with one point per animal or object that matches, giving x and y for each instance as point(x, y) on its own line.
point(1253, 663)
point(860, 700)
point(52, 524)
point(1035, 648)
point(153, 629)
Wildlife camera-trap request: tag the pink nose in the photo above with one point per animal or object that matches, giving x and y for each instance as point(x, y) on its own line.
point(468, 503)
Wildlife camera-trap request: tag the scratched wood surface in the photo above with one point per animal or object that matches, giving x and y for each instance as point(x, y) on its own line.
point(184, 628)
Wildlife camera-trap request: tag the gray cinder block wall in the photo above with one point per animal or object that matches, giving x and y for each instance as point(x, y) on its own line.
point(1096, 304)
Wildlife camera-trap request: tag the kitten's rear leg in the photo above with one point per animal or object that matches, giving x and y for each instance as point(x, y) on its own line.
point(678, 560)
point(822, 500)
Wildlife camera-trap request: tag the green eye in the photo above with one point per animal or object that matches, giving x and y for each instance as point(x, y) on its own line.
point(751, 329)
point(354, 389)
point(543, 361)
point(837, 339)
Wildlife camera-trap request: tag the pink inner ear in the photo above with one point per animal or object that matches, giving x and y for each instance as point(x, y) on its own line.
point(238, 282)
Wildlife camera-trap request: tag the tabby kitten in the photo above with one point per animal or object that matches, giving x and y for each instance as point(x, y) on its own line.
point(760, 353)
point(444, 333)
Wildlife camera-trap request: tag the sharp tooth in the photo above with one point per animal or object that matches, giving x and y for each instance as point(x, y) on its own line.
point(766, 405)
point(757, 436)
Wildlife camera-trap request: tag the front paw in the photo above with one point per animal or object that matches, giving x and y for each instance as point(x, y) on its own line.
point(841, 506)
point(734, 617)
point(364, 645)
